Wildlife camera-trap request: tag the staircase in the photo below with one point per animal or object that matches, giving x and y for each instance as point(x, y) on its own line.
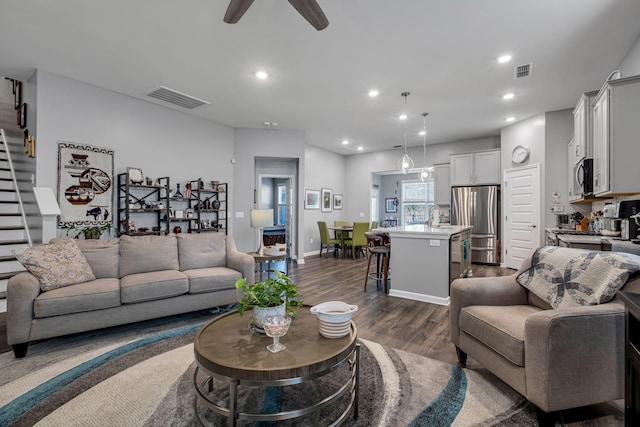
point(13, 233)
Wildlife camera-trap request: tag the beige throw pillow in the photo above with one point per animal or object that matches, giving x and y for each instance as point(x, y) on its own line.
point(57, 264)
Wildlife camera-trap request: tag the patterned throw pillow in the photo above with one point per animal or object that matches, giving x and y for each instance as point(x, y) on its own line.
point(566, 277)
point(57, 264)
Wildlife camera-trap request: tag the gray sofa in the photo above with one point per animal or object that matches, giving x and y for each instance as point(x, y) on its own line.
point(558, 358)
point(137, 278)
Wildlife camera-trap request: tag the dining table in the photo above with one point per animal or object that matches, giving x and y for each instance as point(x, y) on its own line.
point(344, 231)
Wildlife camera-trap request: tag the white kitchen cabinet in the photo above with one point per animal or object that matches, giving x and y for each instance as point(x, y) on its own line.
point(475, 168)
point(582, 126)
point(616, 128)
point(442, 184)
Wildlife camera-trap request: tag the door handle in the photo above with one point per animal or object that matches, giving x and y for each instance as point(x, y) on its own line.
point(532, 225)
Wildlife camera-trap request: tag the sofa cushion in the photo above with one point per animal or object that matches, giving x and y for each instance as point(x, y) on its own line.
point(201, 250)
point(154, 285)
point(142, 254)
point(56, 264)
point(212, 279)
point(500, 328)
point(102, 255)
point(89, 296)
point(566, 277)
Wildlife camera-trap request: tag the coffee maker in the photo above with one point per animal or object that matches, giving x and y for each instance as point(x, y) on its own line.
point(628, 211)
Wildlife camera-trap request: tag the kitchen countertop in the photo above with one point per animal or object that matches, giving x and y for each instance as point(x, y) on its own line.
point(443, 232)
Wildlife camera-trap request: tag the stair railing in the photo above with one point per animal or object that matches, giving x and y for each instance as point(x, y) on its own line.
point(15, 184)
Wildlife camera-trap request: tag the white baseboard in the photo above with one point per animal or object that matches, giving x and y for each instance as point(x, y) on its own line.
point(419, 297)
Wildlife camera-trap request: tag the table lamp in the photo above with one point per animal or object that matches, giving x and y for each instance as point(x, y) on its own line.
point(261, 218)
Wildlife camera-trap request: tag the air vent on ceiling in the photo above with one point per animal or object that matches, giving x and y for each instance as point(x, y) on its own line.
point(398, 146)
point(177, 98)
point(522, 71)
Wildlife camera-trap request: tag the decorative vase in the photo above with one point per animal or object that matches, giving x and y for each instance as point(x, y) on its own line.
point(260, 313)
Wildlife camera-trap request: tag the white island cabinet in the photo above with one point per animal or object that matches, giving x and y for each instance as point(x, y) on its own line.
point(425, 259)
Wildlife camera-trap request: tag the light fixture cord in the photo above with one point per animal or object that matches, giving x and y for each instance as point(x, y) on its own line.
point(405, 94)
point(424, 139)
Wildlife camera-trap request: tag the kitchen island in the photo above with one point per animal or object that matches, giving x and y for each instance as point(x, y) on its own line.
point(425, 259)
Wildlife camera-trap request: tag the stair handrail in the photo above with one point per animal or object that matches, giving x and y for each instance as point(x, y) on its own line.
point(15, 184)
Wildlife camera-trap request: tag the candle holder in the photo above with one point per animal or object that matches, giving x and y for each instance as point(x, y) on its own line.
point(276, 327)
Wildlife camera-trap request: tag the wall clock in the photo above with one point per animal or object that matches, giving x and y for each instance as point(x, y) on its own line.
point(520, 153)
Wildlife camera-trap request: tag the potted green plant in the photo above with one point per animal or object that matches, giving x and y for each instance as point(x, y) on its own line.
point(92, 232)
point(276, 295)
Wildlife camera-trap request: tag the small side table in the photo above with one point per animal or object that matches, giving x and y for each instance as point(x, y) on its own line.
point(268, 260)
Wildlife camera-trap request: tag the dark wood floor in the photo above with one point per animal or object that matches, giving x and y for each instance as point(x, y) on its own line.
point(413, 326)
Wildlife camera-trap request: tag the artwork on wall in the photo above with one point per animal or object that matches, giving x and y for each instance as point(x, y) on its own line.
point(326, 197)
point(85, 184)
point(390, 205)
point(311, 199)
point(337, 201)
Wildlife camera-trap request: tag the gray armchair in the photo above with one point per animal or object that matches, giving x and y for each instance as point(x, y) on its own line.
point(556, 358)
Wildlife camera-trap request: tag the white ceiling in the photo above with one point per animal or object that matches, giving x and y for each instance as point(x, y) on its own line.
point(443, 52)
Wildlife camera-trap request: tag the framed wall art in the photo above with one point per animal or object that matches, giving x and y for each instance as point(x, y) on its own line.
point(337, 201)
point(85, 184)
point(326, 197)
point(311, 199)
point(390, 205)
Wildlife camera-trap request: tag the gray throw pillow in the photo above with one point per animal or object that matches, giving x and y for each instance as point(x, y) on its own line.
point(566, 277)
point(144, 254)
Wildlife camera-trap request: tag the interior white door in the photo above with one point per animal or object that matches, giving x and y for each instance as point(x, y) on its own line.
point(521, 214)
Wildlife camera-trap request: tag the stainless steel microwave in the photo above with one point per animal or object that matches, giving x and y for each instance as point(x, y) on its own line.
point(583, 178)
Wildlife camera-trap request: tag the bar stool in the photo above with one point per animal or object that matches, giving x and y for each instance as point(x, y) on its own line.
point(376, 246)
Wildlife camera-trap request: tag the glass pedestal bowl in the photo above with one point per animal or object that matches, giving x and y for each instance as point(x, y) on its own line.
point(276, 326)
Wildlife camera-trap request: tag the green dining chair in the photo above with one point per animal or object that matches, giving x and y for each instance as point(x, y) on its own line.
point(374, 225)
point(325, 238)
point(358, 238)
point(343, 236)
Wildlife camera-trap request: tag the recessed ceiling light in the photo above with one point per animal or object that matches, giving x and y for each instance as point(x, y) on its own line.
point(422, 133)
point(262, 74)
point(345, 142)
point(402, 117)
point(373, 93)
point(509, 119)
point(508, 96)
point(504, 58)
point(360, 148)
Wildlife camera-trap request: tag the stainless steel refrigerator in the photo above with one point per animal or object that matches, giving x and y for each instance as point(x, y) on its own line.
point(479, 207)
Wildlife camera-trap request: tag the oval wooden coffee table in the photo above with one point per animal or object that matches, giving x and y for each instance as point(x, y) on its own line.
point(227, 350)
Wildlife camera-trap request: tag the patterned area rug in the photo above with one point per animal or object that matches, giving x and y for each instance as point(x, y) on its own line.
point(142, 375)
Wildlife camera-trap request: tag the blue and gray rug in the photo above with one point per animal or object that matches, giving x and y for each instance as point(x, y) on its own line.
point(142, 375)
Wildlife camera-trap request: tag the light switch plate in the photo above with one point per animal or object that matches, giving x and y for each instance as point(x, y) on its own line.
point(240, 214)
point(434, 242)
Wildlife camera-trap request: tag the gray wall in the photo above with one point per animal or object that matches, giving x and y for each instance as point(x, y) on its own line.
point(630, 65)
point(325, 170)
point(359, 169)
point(160, 141)
point(558, 132)
point(281, 148)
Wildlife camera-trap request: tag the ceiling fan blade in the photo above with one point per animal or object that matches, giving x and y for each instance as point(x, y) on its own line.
point(310, 10)
point(236, 9)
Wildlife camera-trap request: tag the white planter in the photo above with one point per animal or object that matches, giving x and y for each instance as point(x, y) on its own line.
point(259, 314)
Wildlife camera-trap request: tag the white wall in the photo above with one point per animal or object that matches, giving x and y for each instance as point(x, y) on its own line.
point(159, 140)
point(324, 170)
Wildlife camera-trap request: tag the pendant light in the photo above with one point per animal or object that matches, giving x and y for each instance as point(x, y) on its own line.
point(425, 172)
point(405, 163)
